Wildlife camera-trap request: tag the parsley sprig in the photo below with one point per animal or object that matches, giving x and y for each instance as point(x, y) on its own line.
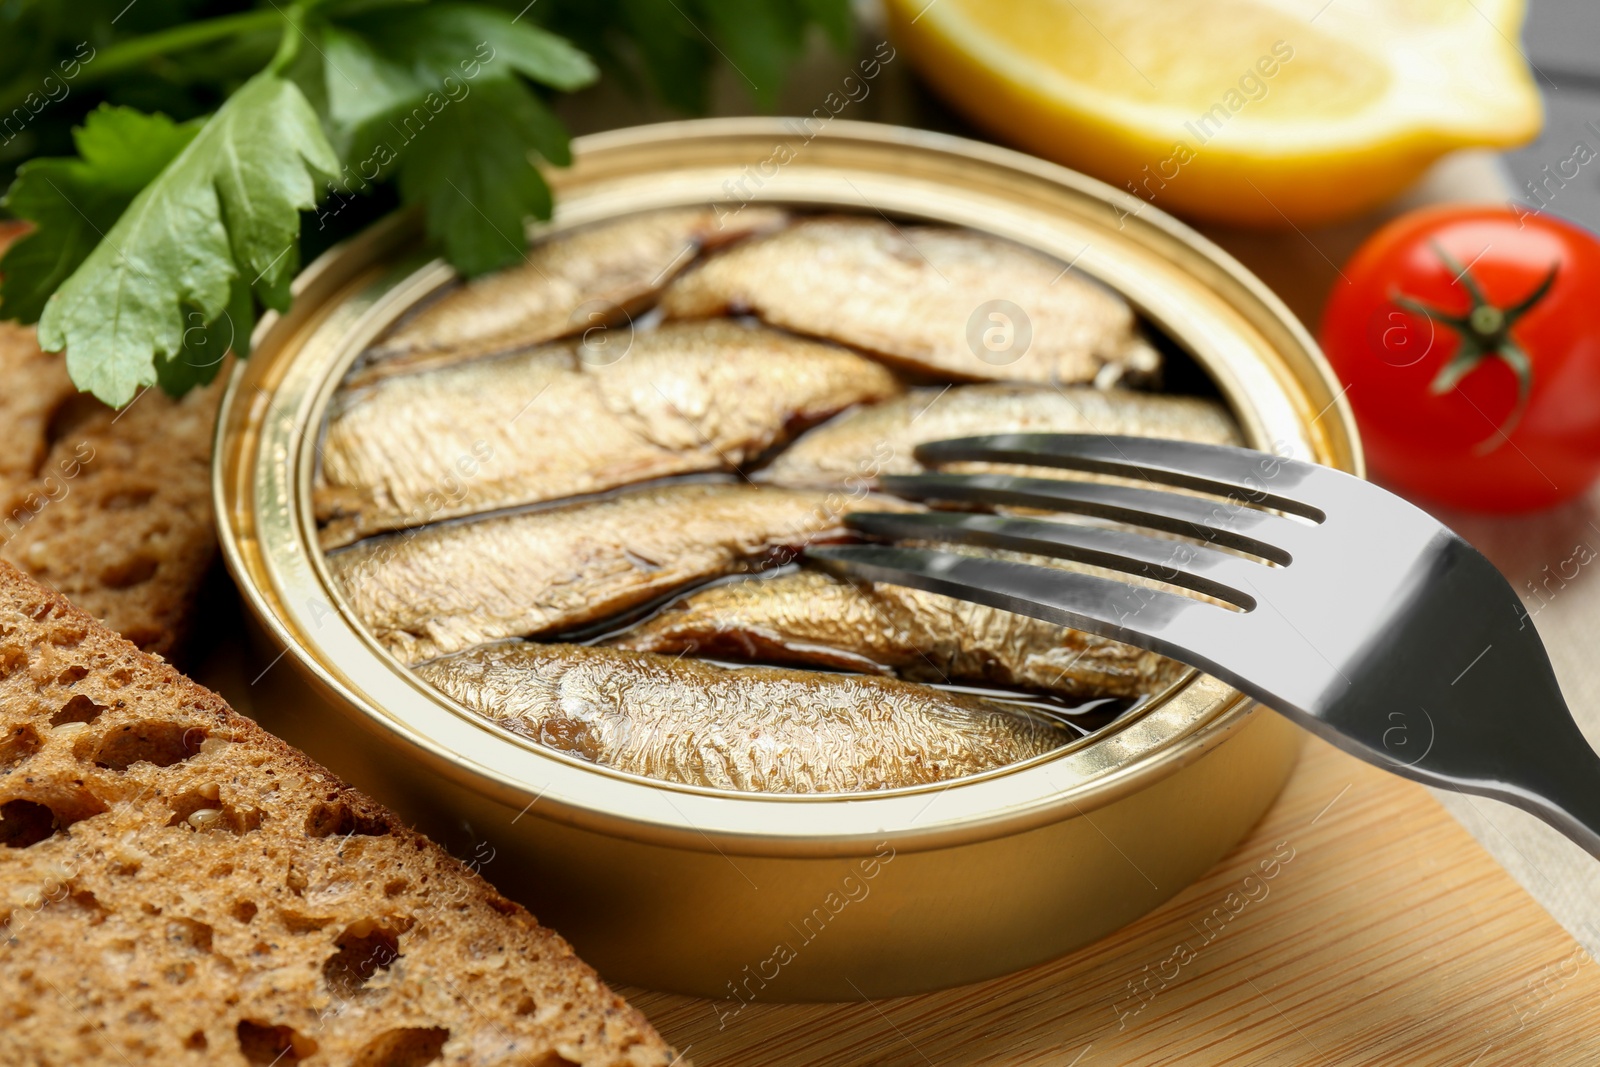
point(204, 134)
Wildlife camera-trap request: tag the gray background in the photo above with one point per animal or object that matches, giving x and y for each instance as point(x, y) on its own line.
point(1562, 42)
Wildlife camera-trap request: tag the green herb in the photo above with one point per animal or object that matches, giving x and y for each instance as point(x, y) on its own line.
point(75, 201)
point(205, 131)
point(436, 89)
point(172, 257)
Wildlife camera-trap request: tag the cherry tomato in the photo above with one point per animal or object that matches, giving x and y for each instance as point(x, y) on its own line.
point(1469, 340)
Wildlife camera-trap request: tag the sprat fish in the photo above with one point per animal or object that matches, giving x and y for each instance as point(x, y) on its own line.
point(814, 619)
point(535, 426)
point(593, 276)
point(932, 299)
point(444, 587)
point(879, 439)
point(759, 729)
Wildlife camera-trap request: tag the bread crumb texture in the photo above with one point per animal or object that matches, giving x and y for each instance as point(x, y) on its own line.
point(111, 508)
point(179, 886)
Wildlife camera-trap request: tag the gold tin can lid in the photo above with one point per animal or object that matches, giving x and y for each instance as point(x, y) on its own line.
point(1261, 359)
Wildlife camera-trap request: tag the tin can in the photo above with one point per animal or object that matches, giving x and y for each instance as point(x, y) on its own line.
point(745, 896)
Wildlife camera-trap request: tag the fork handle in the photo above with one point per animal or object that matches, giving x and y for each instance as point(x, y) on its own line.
point(1546, 767)
point(1569, 799)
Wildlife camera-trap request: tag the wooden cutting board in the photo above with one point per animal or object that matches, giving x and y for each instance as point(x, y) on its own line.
point(1357, 924)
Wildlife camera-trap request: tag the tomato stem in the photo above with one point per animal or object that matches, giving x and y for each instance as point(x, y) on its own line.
point(1484, 332)
point(1522, 367)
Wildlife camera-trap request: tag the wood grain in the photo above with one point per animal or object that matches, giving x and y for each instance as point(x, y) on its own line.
point(1357, 924)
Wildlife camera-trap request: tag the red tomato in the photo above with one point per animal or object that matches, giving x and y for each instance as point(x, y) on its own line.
point(1470, 344)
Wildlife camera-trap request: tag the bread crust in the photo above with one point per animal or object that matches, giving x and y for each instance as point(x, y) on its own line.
point(178, 885)
point(35, 385)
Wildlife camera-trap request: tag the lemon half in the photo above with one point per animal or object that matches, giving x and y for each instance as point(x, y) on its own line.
point(1270, 112)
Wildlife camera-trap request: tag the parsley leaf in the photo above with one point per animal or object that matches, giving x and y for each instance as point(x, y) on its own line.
point(228, 207)
point(361, 84)
point(435, 93)
point(73, 202)
point(474, 178)
point(437, 40)
point(207, 344)
point(385, 65)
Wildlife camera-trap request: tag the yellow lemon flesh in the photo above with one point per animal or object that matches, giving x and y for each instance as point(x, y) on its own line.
point(1261, 112)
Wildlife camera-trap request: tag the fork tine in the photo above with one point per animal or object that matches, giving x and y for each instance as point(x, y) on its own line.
point(1219, 469)
point(1257, 532)
point(1193, 631)
point(1181, 563)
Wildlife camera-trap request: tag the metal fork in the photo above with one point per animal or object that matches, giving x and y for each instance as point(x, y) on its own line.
point(1357, 614)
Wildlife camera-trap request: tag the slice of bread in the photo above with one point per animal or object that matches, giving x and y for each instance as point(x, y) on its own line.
point(112, 508)
point(36, 384)
point(179, 886)
point(118, 516)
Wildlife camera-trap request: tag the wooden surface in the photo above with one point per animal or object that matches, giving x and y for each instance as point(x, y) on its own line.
point(1383, 935)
